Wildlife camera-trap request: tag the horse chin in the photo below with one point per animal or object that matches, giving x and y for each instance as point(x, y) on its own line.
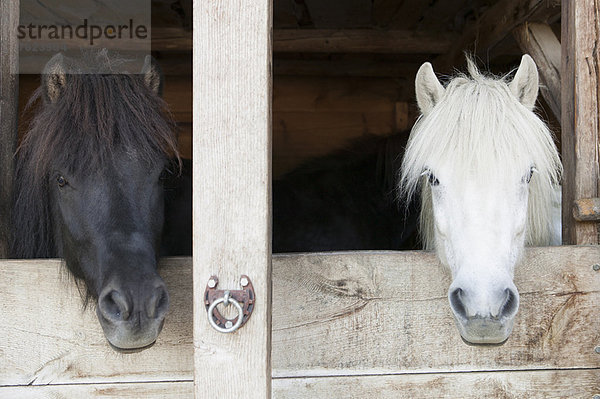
point(131, 337)
point(485, 330)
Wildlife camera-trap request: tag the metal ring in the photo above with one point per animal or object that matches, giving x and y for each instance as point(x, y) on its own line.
point(237, 324)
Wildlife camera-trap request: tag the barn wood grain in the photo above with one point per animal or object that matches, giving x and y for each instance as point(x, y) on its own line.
point(389, 313)
point(48, 338)
point(580, 96)
point(155, 390)
point(232, 179)
point(9, 95)
point(346, 314)
point(540, 42)
point(565, 384)
point(540, 384)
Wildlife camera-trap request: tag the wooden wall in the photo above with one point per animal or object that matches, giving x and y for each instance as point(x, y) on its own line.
point(344, 326)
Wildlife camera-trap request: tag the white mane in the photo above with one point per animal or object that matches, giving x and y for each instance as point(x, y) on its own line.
point(479, 128)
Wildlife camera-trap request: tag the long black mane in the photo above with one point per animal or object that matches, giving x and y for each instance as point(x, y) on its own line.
point(94, 116)
point(345, 201)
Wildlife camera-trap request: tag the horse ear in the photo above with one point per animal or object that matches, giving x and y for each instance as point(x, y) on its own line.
point(428, 88)
point(54, 78)
point(152, 74)
point(525, 84)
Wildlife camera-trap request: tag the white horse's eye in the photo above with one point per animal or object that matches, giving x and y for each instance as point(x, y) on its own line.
point(433, 180)
point(431, 177)
point(527, 178)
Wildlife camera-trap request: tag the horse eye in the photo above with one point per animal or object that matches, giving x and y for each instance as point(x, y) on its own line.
point(164, 175)
point(61, 181)
point(433, 180)
point(527, 179)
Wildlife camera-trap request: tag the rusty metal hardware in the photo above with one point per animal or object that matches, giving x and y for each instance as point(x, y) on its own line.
point(242, 300)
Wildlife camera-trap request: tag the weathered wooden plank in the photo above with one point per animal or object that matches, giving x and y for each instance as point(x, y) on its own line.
point(566, 384)
point(361, 41)
point(327, 41)
point(9, 95)
point(580, 95)
point(495, 24)
point(374, 313)
point(587, 210)
point(540, 42)
point(155, 390)
point(232, 180)
point(336, 314)
point(47, 337)
point(540, 384)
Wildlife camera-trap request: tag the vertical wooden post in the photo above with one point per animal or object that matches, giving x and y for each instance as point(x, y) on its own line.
point(232, 181)
point(9, 96)
point(580, 94)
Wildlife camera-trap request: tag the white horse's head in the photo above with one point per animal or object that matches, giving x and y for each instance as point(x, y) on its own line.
point(486, 167)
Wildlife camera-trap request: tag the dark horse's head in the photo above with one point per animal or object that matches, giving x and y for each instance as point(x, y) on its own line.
point(88, 188)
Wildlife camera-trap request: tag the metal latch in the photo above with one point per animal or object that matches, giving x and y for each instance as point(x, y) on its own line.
point(242, 300)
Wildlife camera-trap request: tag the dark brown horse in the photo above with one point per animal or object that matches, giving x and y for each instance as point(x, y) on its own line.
point(89, 188)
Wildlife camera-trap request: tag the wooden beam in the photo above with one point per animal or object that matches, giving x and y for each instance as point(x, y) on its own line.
point(503, 384)
point(580, 124)
point(540, 384)
point(587, 210)
point(361, 41)
point(153, 390)
point(495, 24)
point(333, 315)
point(540, 42)
point(232, 180)
point(388, 313)
point(9, 98)
point(327, 41)
point(347, 68)
point(61, 342)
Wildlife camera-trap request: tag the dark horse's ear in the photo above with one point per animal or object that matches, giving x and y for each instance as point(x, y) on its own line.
point(54, 78)
point(152, 75)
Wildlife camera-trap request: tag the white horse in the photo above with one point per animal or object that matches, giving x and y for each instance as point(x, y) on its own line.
point(488, 171)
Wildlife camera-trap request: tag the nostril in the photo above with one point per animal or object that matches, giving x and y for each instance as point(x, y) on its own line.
point(158, 304)
point(511, 304)
point(114, 306)
point(457, 304)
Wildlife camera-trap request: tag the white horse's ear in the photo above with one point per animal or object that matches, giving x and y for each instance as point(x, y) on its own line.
point(152, 75)
point(54, 78)
point(525, 84)
point(428, 88)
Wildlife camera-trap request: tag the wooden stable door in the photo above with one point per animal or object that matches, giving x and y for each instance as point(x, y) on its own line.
point(232, 199)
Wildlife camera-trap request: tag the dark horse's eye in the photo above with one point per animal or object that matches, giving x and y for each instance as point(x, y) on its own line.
point(164, 175)
point(61, 181)
point(433, 180)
